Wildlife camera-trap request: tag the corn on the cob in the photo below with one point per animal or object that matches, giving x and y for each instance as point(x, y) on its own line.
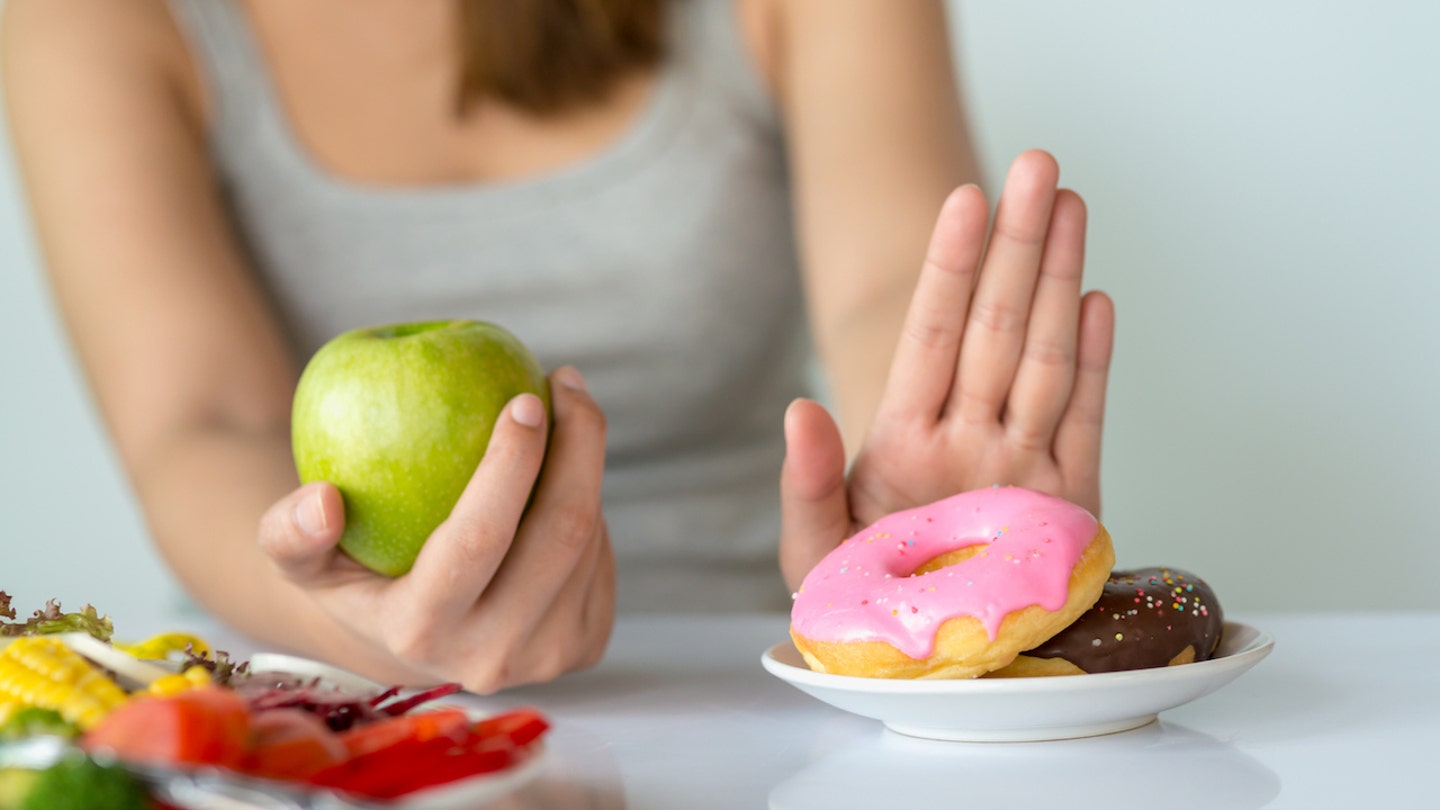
point(43, 672)
point(8, 706)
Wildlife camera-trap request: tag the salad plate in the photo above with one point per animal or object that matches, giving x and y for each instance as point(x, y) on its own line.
point(287, 682)
point(462, 794)
point(1025, 709)
point(214, 787)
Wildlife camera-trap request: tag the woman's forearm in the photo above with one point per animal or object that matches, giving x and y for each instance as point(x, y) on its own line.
point(856, 351)
point(872, 166)
point(203, 491)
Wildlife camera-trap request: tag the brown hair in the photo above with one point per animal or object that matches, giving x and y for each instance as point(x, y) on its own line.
point(546, 55)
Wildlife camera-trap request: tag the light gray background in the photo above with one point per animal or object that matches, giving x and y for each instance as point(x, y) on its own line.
point(1262, 182)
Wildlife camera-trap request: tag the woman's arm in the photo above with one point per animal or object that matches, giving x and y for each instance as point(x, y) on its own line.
point(181, 352)
point(186, 361)
point(876, 141)
point(968, 359)
point(999, 376)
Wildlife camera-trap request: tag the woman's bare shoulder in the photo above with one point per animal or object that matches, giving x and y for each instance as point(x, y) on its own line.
point(74, 45)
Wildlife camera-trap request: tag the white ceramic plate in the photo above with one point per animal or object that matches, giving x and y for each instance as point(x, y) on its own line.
point(1018, 709)
point(310, 668)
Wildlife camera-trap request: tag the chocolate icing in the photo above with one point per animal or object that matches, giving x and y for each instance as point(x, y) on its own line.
point(1144, 618)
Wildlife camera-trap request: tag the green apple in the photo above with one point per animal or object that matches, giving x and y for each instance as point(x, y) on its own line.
point(398, 418)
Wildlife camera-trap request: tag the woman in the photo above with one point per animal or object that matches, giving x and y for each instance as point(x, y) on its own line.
point(222, 185)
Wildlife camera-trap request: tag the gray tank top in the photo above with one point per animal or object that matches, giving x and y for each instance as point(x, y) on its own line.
point(663, 267)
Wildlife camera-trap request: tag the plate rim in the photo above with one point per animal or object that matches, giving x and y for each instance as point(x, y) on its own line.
point(1252, 652)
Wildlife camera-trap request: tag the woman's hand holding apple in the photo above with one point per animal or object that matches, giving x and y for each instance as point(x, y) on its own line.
point(999, 376)
point(501, 594)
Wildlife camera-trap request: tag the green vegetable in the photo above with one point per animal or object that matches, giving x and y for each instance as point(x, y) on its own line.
point(33, 720)
point(14, 784)
point(53, 620)
point(81, 783)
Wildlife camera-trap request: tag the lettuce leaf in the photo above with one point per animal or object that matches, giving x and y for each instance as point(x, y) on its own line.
point(53, 620)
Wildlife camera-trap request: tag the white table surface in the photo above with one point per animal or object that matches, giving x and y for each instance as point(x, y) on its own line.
point(1344, 713)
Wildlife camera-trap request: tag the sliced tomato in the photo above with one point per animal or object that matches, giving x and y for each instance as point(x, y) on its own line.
point(393, 757)
point(410, 765)
point(519, 727)
point(291, 744)
point(450, 724)
point(207, 726)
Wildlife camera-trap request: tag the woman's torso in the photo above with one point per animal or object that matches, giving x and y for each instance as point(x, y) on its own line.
point(648, 243)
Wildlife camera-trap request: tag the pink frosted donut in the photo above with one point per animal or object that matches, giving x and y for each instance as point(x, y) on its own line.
point(953, 589)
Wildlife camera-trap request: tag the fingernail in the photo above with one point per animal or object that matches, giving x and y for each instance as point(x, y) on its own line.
point(790, 411)
point(569, 377)
point(310, 514)
point(527, 410)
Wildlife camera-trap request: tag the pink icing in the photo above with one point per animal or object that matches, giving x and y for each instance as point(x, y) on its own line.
point(864, 589)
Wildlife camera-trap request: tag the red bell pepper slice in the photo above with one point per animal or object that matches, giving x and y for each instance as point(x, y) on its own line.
point(450, 724)
point(434, 748)
point(520, 726)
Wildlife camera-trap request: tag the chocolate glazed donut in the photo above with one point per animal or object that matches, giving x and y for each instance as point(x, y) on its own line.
point(1149, 617)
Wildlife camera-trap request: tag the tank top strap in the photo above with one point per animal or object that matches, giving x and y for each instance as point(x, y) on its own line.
point(706, 36)
point(228, 60)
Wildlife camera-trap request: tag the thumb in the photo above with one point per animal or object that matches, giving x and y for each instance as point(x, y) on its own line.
point(299, 532)
point(814, 507)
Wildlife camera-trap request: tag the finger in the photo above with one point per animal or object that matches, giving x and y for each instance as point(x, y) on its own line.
point(1046, 372)
point(595, 617)
point(1077, 438)
point(599, 612)
point(566, 512)
point(460, 558)
point(995, 328)
point(814, 509)
point(922, 372)
point(573, 630)
point(299, 532)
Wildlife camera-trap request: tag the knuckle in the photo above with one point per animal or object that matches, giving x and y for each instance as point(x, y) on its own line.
point(470, 538)
point(1031, 235)
point(277, 528)
point(934, 264)
point(271, 538)
point(472, 541)
point(932, 332)
point(976, 410)
point(1087, 416)
point(1030, 438)
point(413, 643)
point(490, 667)
point(1097, 367)
point(552, 664)
point(592, 657)
point(1049, 353)
point(573, 522)
point(998, 316)
point(512, 446)
point(587, 415)
point(488, 679)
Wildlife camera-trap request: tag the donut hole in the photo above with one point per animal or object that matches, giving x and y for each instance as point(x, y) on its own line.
point(949, 558)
